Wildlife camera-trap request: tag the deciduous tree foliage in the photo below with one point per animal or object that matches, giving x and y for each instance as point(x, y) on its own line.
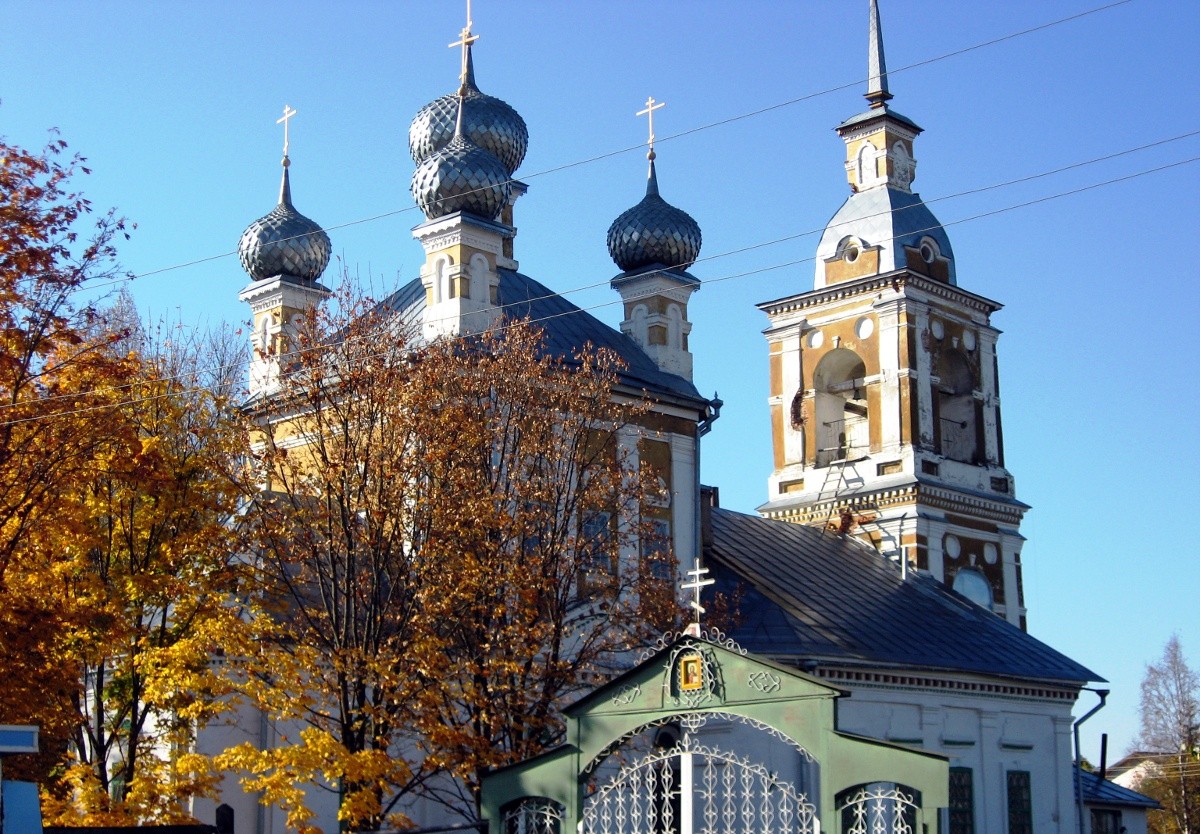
point(1170, 708)
point(114, 503)
point(447, 550)
point(152, 575)
point(54, 383)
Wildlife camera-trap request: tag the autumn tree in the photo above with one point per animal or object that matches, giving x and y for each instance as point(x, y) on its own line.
point(150, 575)
point(446, 552)
point(1170, 710)
point(55, 382)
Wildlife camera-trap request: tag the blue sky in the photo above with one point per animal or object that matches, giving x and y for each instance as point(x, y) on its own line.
point(175, 104)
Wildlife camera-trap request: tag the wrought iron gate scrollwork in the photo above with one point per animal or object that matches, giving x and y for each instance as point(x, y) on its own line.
point(696, 789)
point(879, 808)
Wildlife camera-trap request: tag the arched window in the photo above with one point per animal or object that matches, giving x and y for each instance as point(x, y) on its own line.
point(674, 327)
point(533, 815)
point(640, 333)
point(954, 403)
point(843, 423)
point(478, 285)
point(973, 585)
point(440, 289)
point(865, 164)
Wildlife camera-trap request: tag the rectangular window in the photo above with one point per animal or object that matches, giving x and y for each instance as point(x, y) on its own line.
point(1020, 803)
point(595, 546)
point(1106, 822)
point(656, 551)
point(962, 801)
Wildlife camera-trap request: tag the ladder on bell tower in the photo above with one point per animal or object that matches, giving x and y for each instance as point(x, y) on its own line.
point(841, 477)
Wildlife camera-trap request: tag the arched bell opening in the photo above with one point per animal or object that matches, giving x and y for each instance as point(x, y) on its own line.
point(956, 409)
point(842, 414)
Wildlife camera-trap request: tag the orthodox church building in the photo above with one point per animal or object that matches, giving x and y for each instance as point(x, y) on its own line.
point(883, 570)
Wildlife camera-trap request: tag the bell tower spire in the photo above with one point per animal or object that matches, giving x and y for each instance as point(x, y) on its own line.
point(877, 82)
point(884, 397)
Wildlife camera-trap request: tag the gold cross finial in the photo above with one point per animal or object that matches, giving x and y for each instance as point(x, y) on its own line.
point(465, 39)
point(288, 112)
point(651, 106)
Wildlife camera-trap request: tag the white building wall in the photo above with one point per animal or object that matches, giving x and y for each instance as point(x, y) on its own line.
point(989, 734)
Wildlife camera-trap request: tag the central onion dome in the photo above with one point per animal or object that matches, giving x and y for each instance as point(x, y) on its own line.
point(487, 121)
point(461, 177)
point(654, 232)
point(284, 242)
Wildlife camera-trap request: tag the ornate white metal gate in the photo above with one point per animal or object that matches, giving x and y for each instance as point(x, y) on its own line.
point(695, 789)
point(879, 808)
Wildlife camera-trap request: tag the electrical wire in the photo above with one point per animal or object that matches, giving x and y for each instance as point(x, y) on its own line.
point(761, 245)
point(759, 271)
point(688, 132)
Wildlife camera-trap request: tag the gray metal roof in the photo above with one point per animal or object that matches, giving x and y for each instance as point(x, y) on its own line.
point(568, 330)
point(877, 113)
point(1097, 791)
point(820, 596)
point(886, 217)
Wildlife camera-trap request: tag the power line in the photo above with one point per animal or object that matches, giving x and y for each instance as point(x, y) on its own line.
point(748, 273)
point(688, 132)
point(763, 244)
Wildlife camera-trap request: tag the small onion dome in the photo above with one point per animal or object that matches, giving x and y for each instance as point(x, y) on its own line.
point(461, 177)
point(285, 242)
point(487, 121)
point(654, 232)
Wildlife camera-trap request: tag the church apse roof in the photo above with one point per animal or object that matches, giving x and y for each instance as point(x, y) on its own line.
point(568, 331)
point(829, 598)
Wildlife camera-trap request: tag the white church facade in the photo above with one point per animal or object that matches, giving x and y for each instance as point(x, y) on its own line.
point(883, 569)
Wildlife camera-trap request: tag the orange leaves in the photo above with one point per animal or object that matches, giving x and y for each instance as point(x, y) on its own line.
point(447, 551)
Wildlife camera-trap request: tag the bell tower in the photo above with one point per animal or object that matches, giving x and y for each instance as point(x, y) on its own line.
point(884, 395)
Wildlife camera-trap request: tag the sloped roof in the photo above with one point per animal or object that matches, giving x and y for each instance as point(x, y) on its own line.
point(888, 218)
point(829, 598)
point(568, 330)
point(1097, 791)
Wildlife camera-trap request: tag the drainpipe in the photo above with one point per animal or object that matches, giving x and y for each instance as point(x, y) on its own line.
point(1103, 693)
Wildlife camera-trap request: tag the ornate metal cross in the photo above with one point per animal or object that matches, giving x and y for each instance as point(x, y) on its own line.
point(651, 106)
point(288, 112)
point(465, 39)
point(699, 581)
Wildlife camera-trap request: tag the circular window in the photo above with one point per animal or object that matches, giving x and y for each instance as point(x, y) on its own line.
point(937, 329)
point(989, 553)
point(968, 340)
point(928, 253)
point(864, 327)
point(851, 253)
point(816, 339)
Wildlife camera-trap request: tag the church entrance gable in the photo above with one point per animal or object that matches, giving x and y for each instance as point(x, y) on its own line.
point(700, 738)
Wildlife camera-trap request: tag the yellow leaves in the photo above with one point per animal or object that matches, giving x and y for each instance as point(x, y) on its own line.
point(363, 776)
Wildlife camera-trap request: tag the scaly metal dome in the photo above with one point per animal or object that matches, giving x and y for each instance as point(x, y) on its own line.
point(487, 121)
point(461, 177)
point(654, 232)
point(284, 242)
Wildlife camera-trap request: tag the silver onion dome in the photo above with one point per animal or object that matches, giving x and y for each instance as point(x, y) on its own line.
point(461, 177)
point(487, 121)
point(284, 242)
point(654, 232)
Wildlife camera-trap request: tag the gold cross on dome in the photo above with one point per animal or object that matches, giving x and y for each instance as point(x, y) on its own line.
point(288, 112)
point(465, 39)
point(651, 106)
